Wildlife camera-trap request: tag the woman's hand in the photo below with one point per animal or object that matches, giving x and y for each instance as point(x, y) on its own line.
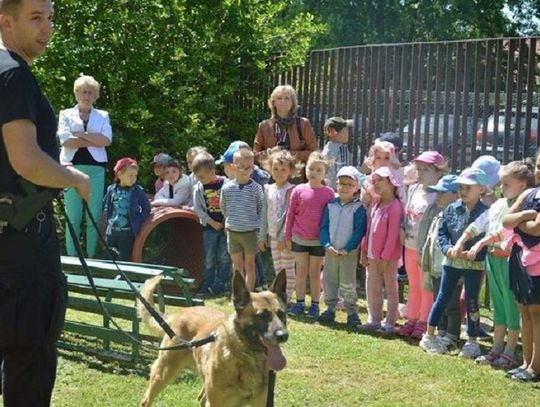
point(262, 245)
point(280, 246)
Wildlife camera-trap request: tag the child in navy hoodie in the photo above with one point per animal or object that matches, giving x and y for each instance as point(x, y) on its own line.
point(125, 207)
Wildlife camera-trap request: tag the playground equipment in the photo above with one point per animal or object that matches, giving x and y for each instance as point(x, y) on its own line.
point(173, 237)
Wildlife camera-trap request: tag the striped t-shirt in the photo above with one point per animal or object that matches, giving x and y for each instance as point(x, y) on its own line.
point(242, 205)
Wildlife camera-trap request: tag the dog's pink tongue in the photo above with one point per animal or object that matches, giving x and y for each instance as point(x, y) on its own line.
point(276, 361)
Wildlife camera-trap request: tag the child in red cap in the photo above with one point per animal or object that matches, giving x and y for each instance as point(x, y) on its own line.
point(126, 207)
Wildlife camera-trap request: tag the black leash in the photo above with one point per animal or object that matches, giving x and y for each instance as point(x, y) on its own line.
point(156, 315)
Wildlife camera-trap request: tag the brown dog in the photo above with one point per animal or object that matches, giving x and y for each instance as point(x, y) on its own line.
point(235, 367)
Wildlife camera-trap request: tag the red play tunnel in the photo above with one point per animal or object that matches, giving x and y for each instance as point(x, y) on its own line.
point(172, 237)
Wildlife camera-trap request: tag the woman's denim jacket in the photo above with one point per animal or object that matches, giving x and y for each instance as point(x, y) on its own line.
point(453, 224)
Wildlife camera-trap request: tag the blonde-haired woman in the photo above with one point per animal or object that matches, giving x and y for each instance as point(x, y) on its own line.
point(84, 133)
point(284, 128)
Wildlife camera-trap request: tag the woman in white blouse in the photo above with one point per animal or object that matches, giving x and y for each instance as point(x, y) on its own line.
point(84, 133)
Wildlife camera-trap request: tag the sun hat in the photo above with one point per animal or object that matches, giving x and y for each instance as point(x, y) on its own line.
point(430, 157)
point(352, 172)
point(491, 166)
point(337, 123)
point(390, 173)
point(472, 176)
point(228, 156)
point(446, 184)
point(161, 159)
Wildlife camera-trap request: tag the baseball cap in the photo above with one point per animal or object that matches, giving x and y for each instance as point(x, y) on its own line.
point(392, 138)
point(430, 157)
point(390, 173)
point(161, 159)
point(491, 166)
point(123, 163)
point(472, 176)
point(228, 155)
point(446, 184)
point(351, 172)
point(337, 123)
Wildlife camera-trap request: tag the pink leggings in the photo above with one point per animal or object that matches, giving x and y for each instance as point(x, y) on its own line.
point(420, 300)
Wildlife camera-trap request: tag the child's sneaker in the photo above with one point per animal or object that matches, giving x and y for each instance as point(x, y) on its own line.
point(327, 317)
point(504, 361)
point(448, 342)
point(432, 344)
point(370, 326)
point(313, 311)
point(296, 309)
point(488, 358)
point(419, 330)
point(407, 329)
point(387, 329)
point(353, 321)
point(470, 350)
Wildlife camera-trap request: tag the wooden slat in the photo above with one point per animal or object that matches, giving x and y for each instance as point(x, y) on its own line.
point(465, 136)
point(530, 89)
point(496, 101)
point(439, 75)
point(339, 81)
point(508, 100)
point(447, 92)
point(476, 100)
point(518, 144)
point(430, 65)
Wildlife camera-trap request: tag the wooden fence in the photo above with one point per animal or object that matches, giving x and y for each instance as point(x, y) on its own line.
point(463, 98)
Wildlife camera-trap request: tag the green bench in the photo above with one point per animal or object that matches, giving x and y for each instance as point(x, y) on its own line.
point(174, 290)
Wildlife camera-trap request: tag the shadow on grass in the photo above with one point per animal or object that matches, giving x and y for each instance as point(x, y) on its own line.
point(91, 355)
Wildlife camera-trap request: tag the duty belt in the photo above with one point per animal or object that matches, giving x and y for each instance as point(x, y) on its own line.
point(17, 211)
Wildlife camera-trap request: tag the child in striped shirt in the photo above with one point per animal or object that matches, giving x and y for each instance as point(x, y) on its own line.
point(242, 204)
point(302, 230)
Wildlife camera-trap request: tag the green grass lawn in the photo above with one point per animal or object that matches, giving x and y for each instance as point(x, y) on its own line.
point(327, 366)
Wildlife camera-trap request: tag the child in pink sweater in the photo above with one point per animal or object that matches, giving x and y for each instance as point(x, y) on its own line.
point(381, 250)
point(302, 228)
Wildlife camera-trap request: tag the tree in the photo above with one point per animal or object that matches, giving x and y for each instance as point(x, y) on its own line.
point(357, 22)
point(171, 71)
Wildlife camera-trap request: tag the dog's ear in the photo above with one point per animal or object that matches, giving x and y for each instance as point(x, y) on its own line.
point(279, 285)
point(240, 293)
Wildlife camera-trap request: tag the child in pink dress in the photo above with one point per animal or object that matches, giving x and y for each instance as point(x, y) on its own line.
point(381, 250)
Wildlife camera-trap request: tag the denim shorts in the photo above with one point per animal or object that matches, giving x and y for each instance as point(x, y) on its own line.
point(317, 251)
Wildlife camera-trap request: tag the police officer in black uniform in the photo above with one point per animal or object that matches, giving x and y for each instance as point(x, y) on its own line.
point(33, 291)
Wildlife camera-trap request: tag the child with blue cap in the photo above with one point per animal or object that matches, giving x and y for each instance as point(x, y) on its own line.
point(449, 326)
point(456, 264)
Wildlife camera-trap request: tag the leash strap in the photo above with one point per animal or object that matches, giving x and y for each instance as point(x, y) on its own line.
point(159, 319)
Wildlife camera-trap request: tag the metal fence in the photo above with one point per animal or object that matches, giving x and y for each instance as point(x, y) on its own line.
point(463, 98)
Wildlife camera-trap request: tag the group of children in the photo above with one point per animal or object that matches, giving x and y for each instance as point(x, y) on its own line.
point(445, 229)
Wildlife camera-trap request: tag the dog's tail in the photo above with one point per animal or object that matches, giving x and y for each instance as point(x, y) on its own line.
point(147, 293)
